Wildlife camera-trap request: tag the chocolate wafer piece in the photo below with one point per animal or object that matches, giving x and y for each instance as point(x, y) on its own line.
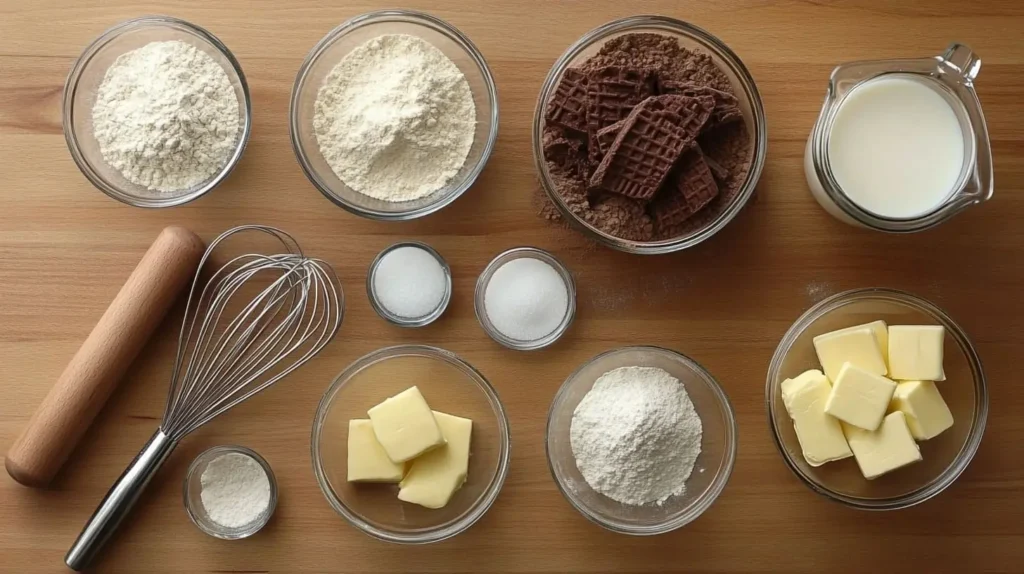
point(691, 187)
point(718, 170)
point(613, 92)
point(568, 107)
point(606, 135)
point(727, 107)
point(647, 146)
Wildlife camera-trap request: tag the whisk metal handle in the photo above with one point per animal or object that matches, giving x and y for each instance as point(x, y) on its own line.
point(119, 501)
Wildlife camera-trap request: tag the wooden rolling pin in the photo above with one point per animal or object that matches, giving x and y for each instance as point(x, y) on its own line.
point(70, 407)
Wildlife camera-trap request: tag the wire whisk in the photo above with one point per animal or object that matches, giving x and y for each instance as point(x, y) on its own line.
point(232, 345)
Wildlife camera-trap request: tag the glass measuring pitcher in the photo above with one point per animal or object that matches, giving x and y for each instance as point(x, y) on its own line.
point(951, 75)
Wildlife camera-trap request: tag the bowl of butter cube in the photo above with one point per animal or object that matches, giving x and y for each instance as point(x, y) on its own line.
point(410, 444)
point(876, 399)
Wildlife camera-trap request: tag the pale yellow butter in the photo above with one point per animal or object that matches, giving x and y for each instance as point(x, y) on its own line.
point(435, 476)
point(367, 461)
point(881, 331)
point(927, 414)
point(915, 352)
point(860, 397)
point(405, 426)
point(857, 345)
point(820, 435)
point(884, 450)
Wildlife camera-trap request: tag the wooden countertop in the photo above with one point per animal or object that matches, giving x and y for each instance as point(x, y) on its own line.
point(65, 249)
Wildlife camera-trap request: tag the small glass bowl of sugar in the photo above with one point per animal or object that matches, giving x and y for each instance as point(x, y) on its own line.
point(230, 492)
point(525, 299)
point(409, 284)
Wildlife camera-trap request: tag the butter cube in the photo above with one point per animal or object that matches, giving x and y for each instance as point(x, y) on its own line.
point(915, 352)
point(881, 331)
point(367, 461)
point(820, 435)
point(884, 450)
point(435, 476)
point(926, 412)
point(856, 345)
point(405, 426)
point(860, 397)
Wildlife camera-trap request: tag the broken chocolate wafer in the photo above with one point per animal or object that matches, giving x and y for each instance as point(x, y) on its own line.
point(613, 92)
point(650, 141)
point(568, 107)
point(691, 186)
point(606, 135)
point(727, 108)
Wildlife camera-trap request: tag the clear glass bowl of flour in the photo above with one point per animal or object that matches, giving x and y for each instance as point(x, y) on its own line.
point(193, 495)
point(710, 473)
point(80, 92)
point(339, 43)
point(449, 385)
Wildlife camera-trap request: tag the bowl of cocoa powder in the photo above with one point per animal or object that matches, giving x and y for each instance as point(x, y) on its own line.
point(649, 135)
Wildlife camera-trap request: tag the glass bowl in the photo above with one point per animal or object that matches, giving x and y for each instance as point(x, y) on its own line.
point(481, 291)
point(80, 95)
point(945, 456)
point(193, 494)
point(335, 46)
point(689, 36)
point(711, 473)
point(450, 385)
point(409, 321)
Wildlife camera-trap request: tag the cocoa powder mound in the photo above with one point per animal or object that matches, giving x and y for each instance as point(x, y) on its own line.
point(570, 162)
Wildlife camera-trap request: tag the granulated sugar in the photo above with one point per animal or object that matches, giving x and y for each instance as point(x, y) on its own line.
point(526, 299)
point(409, 282)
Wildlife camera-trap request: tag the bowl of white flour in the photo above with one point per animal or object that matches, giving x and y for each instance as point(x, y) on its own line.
point(641, 440)
point(393, 115)
point(156, 112)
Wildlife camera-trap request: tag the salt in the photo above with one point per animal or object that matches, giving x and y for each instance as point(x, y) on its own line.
point(409, 282)
point(526, 299)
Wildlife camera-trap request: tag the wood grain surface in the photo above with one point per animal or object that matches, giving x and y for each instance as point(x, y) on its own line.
point(65, 250)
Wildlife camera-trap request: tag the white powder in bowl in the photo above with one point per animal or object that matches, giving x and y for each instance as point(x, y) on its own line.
point(395, 118)
point(235, 490)
point(409, 282)
point(526, 299)
point(166, 116)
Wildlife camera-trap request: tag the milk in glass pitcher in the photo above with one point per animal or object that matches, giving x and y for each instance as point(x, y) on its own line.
point(901, 145)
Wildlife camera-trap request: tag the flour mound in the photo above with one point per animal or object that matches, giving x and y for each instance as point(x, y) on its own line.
point(636, 436)
point(166, 116)
point(395, 118)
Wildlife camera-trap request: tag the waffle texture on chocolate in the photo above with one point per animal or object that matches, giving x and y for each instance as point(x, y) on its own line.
point(647, 146)
point(568, 107)
point(727, 108)
point(691, 186)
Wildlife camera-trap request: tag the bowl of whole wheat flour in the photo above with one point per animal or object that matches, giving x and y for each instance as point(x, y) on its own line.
point(156, 112)
point(393, 115)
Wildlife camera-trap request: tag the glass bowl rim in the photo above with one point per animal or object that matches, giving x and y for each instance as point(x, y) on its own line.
point(484, 280)
point(718, 482)
point(479, 508)
point(409, 322)
point(759, 138)
point(68, 110)
point(409, 17)
point(190, 475)
point(967, 451)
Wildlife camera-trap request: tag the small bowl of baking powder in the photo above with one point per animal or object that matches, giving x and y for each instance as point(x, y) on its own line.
point(230, 492)
point(394, 115)
point(156, 112)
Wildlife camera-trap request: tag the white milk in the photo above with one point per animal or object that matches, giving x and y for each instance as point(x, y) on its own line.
point(896, 148)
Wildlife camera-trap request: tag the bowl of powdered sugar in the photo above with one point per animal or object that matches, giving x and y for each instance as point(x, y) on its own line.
point(156, 112)
point(230, 492)
point(393, 115)
point(641, 440)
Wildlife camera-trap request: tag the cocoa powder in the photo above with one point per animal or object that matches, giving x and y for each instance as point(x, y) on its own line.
point(570, 163)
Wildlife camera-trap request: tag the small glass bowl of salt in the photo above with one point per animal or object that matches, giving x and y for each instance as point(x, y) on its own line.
point(525, 299)
point(409, 284)
point(230, 492)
